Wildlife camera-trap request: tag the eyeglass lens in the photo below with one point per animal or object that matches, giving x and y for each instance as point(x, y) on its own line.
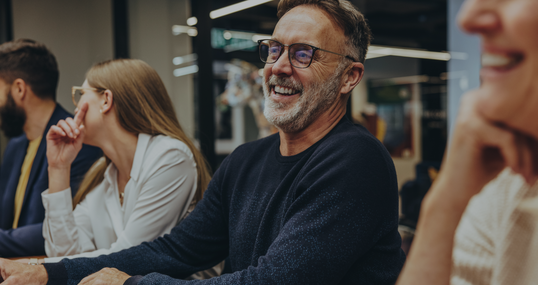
point(300, 54)
point(76, 96)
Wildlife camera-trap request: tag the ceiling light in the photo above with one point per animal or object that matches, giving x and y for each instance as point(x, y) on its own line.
point(379, 51)
point(257, 37)
point(186, 70)
point(184, 59)
point(236, 8)
point(192, 21)
point(179, 29)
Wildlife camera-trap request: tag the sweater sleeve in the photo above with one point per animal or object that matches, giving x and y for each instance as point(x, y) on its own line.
point(344, 213)
point(336, 220)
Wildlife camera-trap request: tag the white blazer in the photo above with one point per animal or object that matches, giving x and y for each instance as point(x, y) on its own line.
point(157, 196)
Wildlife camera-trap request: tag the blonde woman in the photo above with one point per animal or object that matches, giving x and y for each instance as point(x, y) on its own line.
point(475, 226)
point(148, 177)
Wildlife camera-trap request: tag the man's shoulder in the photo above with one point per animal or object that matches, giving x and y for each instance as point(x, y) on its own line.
point(59, 114)
point(17, 141)
point(347, 136)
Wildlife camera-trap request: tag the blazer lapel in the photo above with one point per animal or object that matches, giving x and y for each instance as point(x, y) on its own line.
point(41, 155)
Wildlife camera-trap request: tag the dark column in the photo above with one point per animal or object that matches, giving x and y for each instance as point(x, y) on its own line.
point(6, 35)
point(6, 23)
point(360, 4)
point(121, 28)
point(206, 101)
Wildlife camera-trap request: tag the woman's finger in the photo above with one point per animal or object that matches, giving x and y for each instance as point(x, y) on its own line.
point(525, 153)
point(66, 128)
point(81, 113)
point(56, 131)
point(73, 126)
point(505, 141)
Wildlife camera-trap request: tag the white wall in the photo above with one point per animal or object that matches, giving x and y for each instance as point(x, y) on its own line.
point(463, 74)
point(79, 34)
point(151, 40)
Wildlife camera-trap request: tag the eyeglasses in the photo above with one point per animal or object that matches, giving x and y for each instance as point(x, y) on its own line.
point(300, 55)
point(78, 91)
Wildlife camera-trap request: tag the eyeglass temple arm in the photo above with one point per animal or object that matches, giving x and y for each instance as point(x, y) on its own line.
point(347, 56)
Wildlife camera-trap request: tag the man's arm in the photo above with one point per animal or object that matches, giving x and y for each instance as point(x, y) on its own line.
point(334, 224)
point(15, 273)
point(23, 241)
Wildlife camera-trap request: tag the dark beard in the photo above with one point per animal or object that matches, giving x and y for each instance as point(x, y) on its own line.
point(12, 118)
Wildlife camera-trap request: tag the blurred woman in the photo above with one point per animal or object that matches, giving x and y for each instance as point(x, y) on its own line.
point(148, 177)
point(475, 225)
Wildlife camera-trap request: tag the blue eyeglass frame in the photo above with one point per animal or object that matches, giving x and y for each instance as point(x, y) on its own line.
point(314, 49)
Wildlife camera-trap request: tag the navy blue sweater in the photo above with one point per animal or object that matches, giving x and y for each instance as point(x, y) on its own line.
point(328, 215)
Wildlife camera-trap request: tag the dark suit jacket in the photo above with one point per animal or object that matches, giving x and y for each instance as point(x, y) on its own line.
point(27, 239)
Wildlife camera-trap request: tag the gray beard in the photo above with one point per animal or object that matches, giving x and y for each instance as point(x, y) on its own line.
point(294, 117)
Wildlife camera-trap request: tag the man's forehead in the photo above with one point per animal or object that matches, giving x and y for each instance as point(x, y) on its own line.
point(306, 24)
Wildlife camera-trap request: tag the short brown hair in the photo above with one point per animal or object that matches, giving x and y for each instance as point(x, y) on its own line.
point(344, 15)
point(32, 62)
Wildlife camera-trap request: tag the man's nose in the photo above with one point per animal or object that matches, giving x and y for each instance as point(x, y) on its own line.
point(282, 67)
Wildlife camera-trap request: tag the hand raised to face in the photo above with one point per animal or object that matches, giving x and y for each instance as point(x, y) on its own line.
point(480, 149)
point(64, 140)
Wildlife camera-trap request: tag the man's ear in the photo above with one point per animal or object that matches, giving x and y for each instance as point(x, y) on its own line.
point(19, 90)
point(108, 101)
point(352, 77)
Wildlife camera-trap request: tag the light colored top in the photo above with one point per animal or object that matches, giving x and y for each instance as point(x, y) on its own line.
point(157, 196)
point(492, 242)
point(31, 152)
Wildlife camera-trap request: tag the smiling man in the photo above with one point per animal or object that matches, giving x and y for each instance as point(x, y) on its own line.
point(316, 203)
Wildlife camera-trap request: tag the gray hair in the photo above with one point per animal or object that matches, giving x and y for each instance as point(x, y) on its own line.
point(345, 15)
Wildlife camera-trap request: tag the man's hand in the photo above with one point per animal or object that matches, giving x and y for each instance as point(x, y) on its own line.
point(106, 276)
point(15, 273)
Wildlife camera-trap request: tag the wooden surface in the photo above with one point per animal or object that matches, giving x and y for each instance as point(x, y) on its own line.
point(28, 257)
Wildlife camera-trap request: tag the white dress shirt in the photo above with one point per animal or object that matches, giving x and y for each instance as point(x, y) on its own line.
point(157, 196)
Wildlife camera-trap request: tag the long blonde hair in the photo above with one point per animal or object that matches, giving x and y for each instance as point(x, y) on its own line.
point(142, 106)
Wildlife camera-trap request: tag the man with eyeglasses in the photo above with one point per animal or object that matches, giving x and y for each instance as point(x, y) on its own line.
point(28, 81)
point(316, 203)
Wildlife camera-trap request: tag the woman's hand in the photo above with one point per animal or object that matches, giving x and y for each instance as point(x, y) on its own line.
point(480, 149)
point(64, 140)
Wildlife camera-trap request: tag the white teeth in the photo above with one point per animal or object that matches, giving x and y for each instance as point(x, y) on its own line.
point(284, 90)
point(496, 60)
